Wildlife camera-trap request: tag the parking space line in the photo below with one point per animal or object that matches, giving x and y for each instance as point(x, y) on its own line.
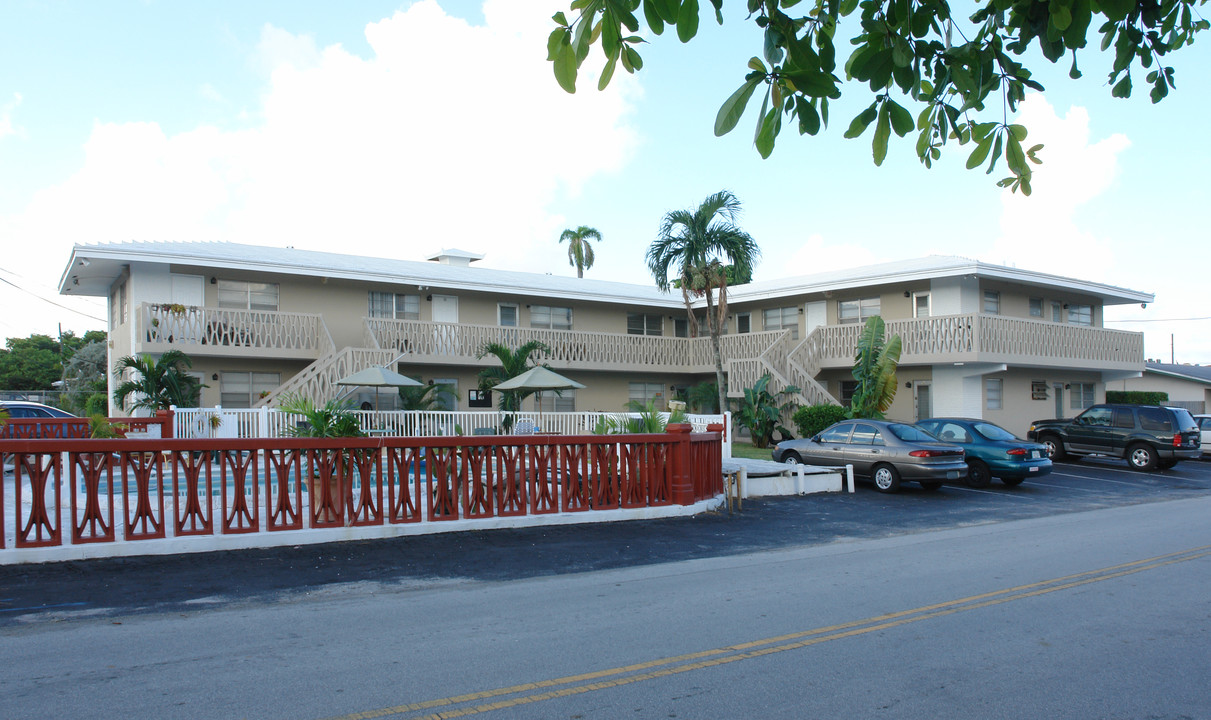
point(1003, 493)
point(1090, 477)
point(1064, 487)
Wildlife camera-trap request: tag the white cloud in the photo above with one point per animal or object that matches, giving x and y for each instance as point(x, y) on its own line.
point(1041, 231)
point(816, 255)
point(446, 134)
point(6, 117)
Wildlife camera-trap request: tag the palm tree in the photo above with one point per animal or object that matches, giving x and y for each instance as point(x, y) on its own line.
point(700, 249)
point(580, 252)
point(156, 384)
point(875, 362)
point(512, 363)
point(425, 397)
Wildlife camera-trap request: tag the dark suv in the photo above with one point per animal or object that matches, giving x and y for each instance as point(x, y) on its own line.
point(1146, 436)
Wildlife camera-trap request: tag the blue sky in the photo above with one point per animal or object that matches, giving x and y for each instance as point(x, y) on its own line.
point(394, 129)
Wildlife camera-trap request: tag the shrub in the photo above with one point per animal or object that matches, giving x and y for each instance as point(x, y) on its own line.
point(1137, 397)
point(811, 419)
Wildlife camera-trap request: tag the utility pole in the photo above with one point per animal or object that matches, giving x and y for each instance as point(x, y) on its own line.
point(1172, 354)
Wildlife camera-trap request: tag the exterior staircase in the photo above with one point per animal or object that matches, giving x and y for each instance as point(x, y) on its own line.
point(317, 381)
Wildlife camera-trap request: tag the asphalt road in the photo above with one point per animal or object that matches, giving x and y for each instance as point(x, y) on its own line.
point(1080, 596)
point(60, 591)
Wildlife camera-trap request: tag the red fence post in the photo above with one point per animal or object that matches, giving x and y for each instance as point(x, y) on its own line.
point(679, 459)
point(165, 417)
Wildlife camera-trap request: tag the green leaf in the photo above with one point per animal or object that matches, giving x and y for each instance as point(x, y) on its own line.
point(861, 122)
point(1116, 10)
point(814, 84)
point(901, 119)
point(978, 155)
point(581, 41)
point(668, 10)
point(809, 119)
point(761, 116)
point(553, 41)
point(565, 66)
point(732, 108)
point(560, 19)
point(607, 72)
point(633, 59)
point(882, 134)
point(769, 132)
point(651, 14)
point(996, 154)
point(687, 20)
point(1122, 89)
point(754, 63)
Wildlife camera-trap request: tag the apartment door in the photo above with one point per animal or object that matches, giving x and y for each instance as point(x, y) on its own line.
point(190, 291)
point(924, 395)
point(445, 310)
point(1059, 399)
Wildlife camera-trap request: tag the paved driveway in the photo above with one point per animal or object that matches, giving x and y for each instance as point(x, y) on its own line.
point(157, 584)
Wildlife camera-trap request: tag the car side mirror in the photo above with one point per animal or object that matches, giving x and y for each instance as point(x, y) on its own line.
point(816, 439)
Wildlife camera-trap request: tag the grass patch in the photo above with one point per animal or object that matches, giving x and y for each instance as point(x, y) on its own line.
point(746, 450)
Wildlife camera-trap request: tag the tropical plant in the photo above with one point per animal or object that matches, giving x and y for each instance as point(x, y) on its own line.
point(761, 410)
point(641, 418)
point(512, 363)
point(425, 397)
point(580, 252)
point(875, 364)
point(961, 77)
point(156, 384)
point(692, 248)
point(703, 397)
point(811, 419)
point(331, 420)
point(100, 427)
point(84, 380)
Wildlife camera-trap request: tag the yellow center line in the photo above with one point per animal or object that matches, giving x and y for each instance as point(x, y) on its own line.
point(624, 675)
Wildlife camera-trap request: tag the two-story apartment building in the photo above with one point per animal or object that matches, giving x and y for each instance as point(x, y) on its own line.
point(979, 340)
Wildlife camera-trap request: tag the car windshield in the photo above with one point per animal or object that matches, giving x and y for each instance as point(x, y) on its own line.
point(908, 433)
point(993, 432)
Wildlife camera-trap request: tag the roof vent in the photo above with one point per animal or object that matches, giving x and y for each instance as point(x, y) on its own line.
point(454, 256)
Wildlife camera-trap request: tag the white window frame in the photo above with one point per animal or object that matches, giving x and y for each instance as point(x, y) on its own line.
point(768, 321)
point(652, 324)
point(500, 318)
point(647, 391)
point(916, 305)
point(994, 393)
point(747, 326)
point(550, 311)
point(992, 302)
point(1082, 395)
point(242, 388)
point(866, 308)
point(393, 306)
point(1036, 303)
point(550, 402)
point(249, 291)
point(1080, 314)
point(1057, 312)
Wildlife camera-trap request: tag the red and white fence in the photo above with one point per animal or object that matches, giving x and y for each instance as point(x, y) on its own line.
point(66, 498)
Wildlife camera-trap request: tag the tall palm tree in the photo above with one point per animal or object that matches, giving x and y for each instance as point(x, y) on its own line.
point(699, 249)
point(580, 252)
point(156, 383)
point(512, 363)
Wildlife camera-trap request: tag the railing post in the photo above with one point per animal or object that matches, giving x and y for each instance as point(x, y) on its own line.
point(165, 417)
point(682, 481)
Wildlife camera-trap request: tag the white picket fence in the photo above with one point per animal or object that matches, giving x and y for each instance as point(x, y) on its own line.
point(266, 422)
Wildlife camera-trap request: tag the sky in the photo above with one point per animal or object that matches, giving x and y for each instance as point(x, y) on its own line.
point(394, 129)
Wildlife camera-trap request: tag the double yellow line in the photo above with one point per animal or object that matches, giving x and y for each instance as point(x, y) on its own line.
point(527, 693)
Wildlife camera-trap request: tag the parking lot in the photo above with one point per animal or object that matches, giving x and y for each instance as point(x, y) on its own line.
point(115, 586)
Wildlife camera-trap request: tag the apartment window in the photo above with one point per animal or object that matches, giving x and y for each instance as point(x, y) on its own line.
point(992, 302)
point(242, 389)
point(550, 402)
point(848, 388)
point(920, 305)
point(744, 324)
point(786, 318)
point(681, 327)
point(643, 324)
point(1056, 313)
point(1080, 314)
point(447, 400)
point(853, 311)
point(506, 315)
point(393, 305)
point(994, 393)
point(646, 392)
point(1036, 307)
point(1081, 394)
point(550, 318)
point(248, 295)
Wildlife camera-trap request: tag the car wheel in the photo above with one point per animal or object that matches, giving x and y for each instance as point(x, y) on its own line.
point(792, 458)
point(978, 475)
point(1141, 457)
point(1055, 447)
point(887, 478)
point(931, 485)
point(1012, 482)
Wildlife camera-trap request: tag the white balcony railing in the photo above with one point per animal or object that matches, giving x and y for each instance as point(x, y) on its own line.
point(220, 331)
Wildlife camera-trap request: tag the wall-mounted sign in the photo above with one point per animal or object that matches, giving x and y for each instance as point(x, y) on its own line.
point(1038, 390)
point(479, 398)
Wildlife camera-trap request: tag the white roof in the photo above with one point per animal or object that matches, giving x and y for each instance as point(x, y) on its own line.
point(92, 269)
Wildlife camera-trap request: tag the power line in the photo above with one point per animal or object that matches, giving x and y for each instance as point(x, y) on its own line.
point(52, 302)
point(1161, 320)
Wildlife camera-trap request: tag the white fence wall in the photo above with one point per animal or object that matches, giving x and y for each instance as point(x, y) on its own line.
point(218, 422)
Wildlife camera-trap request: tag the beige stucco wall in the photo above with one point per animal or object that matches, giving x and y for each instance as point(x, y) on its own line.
point(1178, 389)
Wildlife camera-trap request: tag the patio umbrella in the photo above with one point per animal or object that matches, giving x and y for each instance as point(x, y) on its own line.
point(539, 378)
point(377, 377)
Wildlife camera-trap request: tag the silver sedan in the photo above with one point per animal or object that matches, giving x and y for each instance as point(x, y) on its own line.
point(883, 451)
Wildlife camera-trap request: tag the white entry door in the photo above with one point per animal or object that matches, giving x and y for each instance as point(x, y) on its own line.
point(445, 310)
point(924, 392)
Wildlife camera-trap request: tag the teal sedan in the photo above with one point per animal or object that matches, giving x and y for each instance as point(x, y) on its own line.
point(992, 451)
